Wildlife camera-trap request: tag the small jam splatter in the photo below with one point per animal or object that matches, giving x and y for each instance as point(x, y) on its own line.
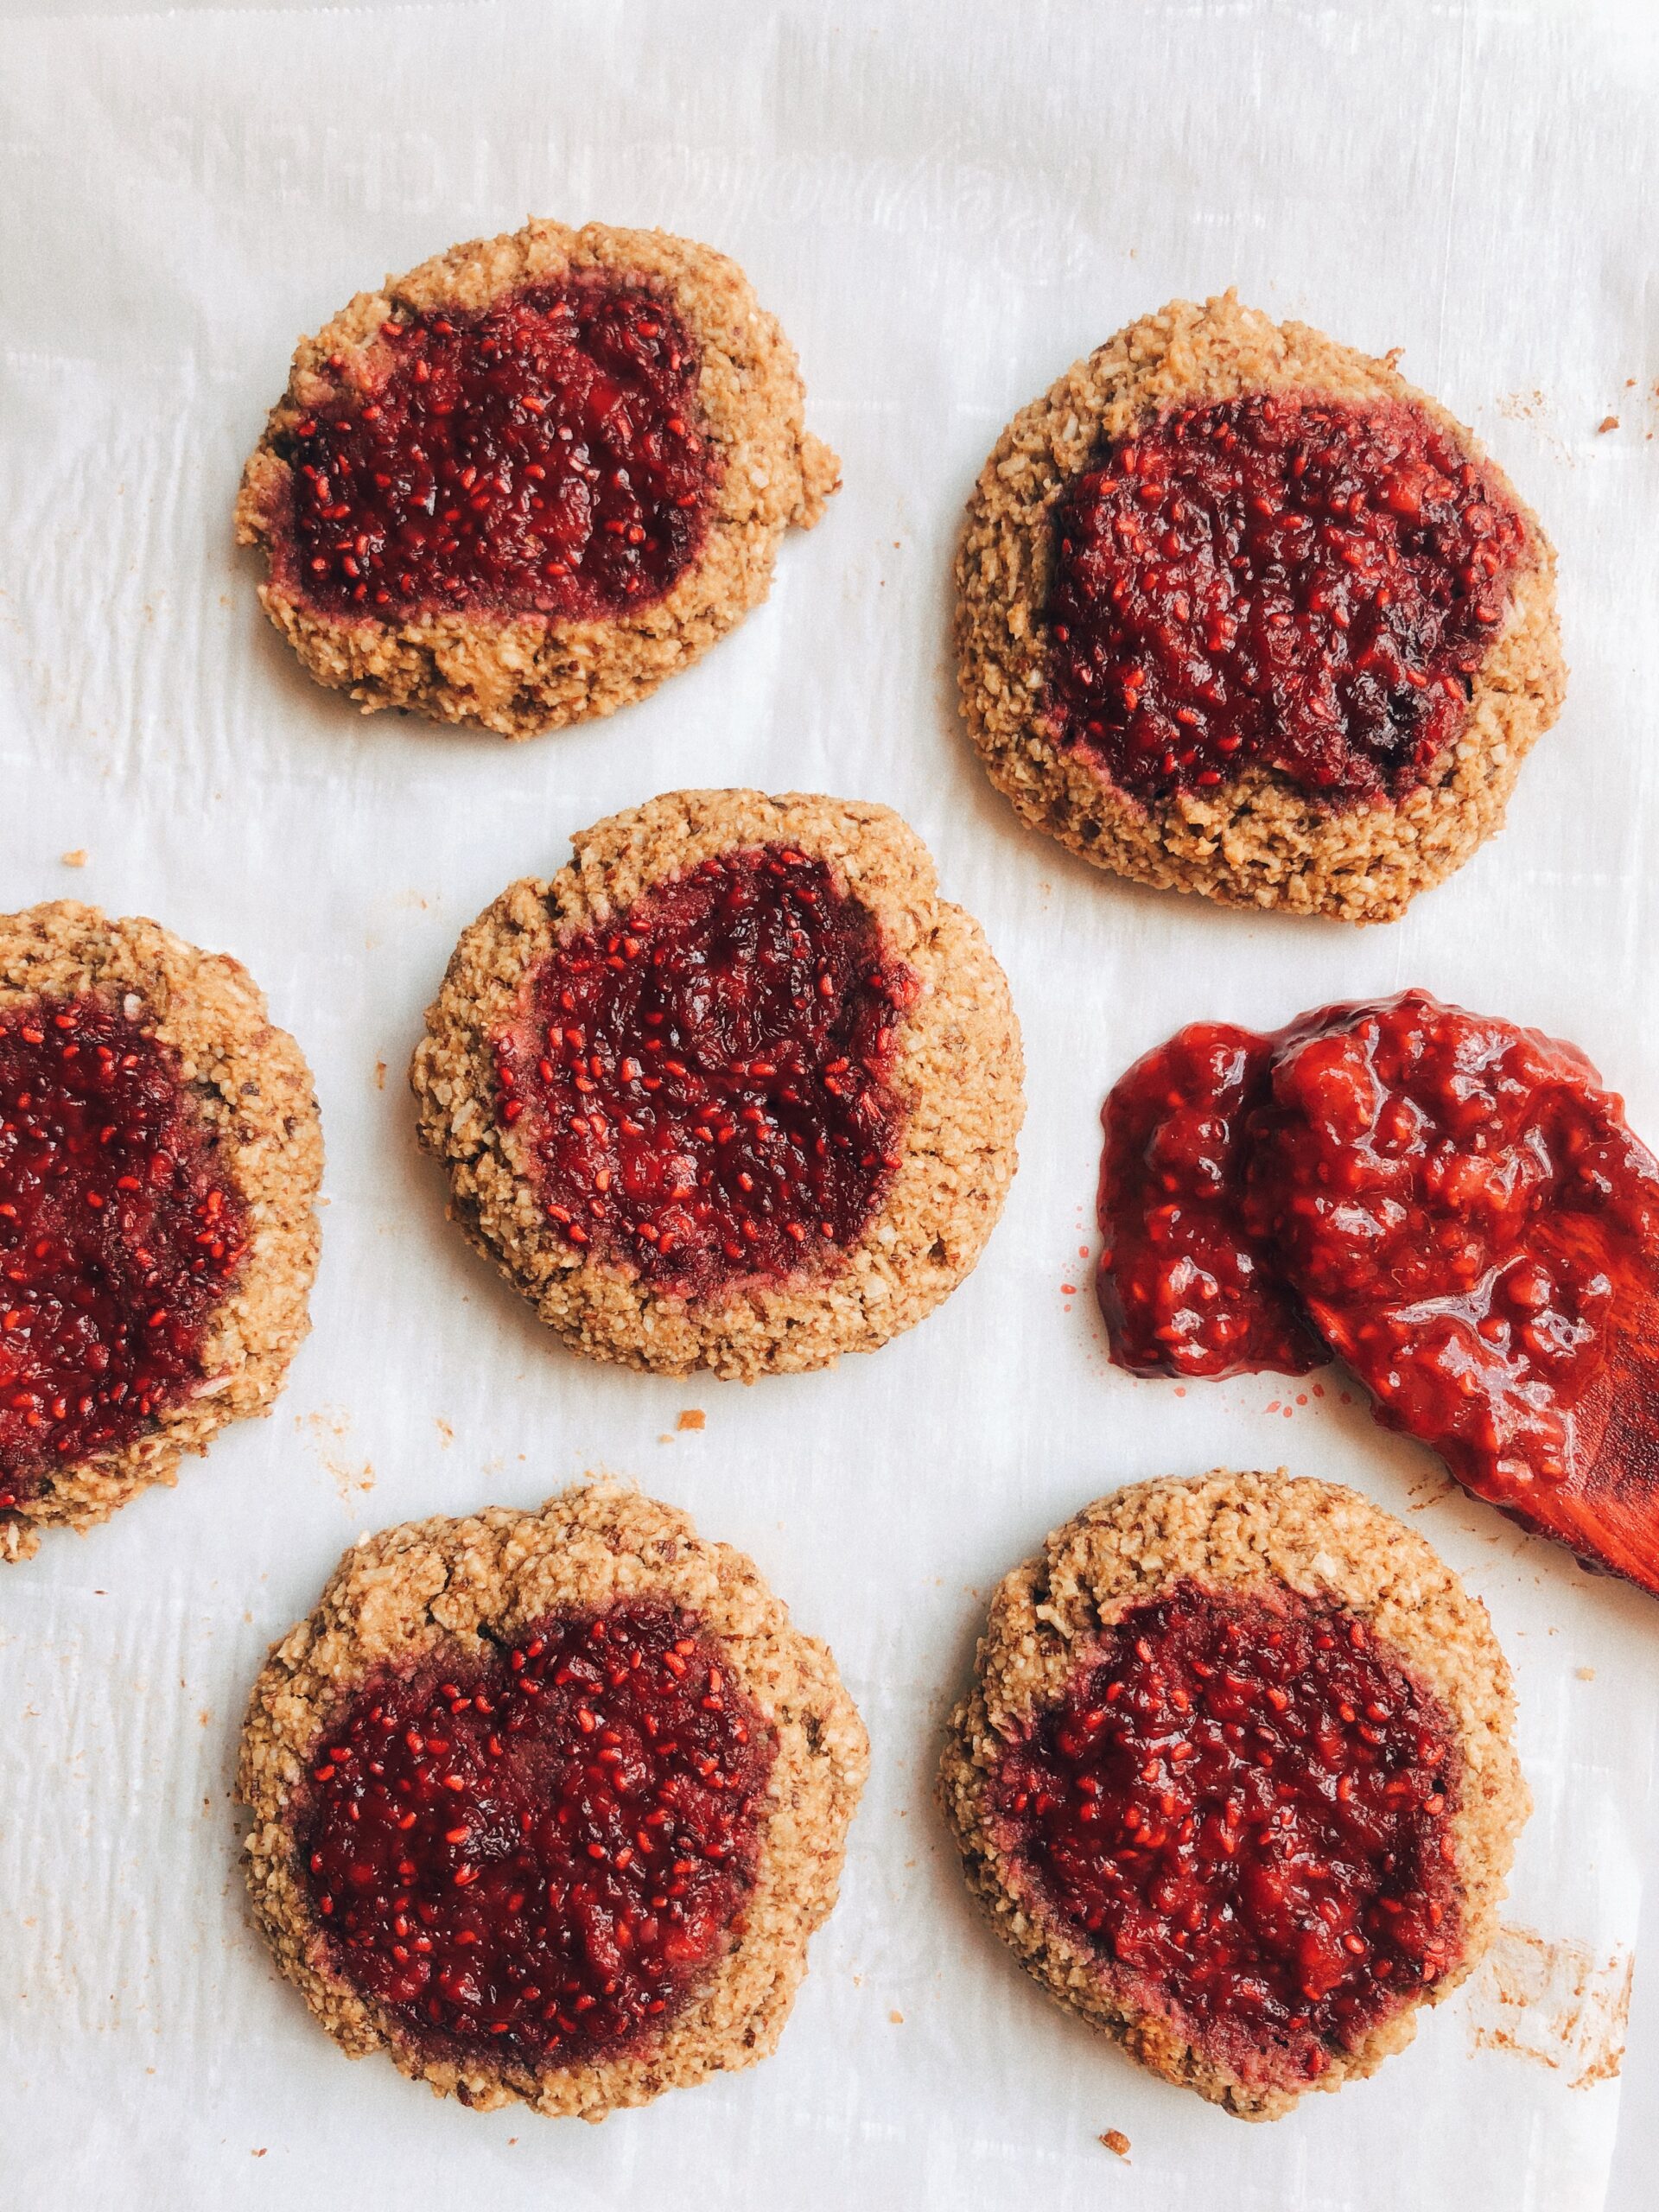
point(1284, 579)
point(539, 1857)
point(704, 1086)
point(1242, 1805)
point(119, 1234)
point(1451, 1204)
point(545, 455)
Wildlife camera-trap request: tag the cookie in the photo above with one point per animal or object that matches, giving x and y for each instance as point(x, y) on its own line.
point(736, 1090)
point(1235, 1781)
point(1242, 612)
point(160, 1155)
point(547, 1805)
point(522, 484)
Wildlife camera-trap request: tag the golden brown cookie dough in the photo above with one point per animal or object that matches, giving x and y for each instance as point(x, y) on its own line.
point(441, 1592)
point(1260, 1534)
point(521, 674)
point(1257, 839)
point(253, 1090)
point(957, 1070)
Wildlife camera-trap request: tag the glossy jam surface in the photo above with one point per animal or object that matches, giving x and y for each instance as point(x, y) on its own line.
point(1460, 1205)
point(539, 1858)
point(1290, 580)
point(546, 455)
point(1453, 1205)
point(1242, 1805)
point(705, 1086)
point(119, 1233)
point(1186, 1289)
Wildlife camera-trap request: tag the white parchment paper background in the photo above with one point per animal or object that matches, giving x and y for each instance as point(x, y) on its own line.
point(945, 205)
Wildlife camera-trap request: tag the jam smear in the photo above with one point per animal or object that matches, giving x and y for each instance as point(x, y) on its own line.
point(704, 1085)
point(119, 1234)
point(1283, 578)
point(1185, 1287)
point(540, 1856)
point(1454, 1206)
point(1242, 1805)
point(546, 455)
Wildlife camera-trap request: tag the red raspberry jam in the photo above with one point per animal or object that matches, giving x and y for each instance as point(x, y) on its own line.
point(1242, 1807)
point(546, 455)
point(120, 1234)
point(704, 1086)
point(1185, 1287)
point(539, 1857)
point(1458, 1210)
point(1282, 578)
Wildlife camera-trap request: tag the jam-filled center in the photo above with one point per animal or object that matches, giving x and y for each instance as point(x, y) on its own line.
point(1286, 579)
point(1242, 1806)
point(120, 1233)
point(540, 1857)
point(704, 1087)
point(544, 455)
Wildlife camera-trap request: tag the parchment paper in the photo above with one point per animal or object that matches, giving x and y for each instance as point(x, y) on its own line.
point(945, 205)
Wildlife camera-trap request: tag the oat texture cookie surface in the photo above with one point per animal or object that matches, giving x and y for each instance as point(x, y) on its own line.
point(1241, 612)
point(736, 1090)
point(1235, 1781)
point(160, 1155)
point(547, 1805)
point(522, 484)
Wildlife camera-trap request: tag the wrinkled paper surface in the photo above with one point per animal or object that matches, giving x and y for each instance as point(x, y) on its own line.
point(944, 206)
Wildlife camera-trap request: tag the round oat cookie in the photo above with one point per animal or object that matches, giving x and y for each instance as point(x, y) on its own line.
point(1242, 612)
point(547, 1805)
point(736, 1090)
point(522, 484)
point(1236, 1783)
point(160, 1155)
